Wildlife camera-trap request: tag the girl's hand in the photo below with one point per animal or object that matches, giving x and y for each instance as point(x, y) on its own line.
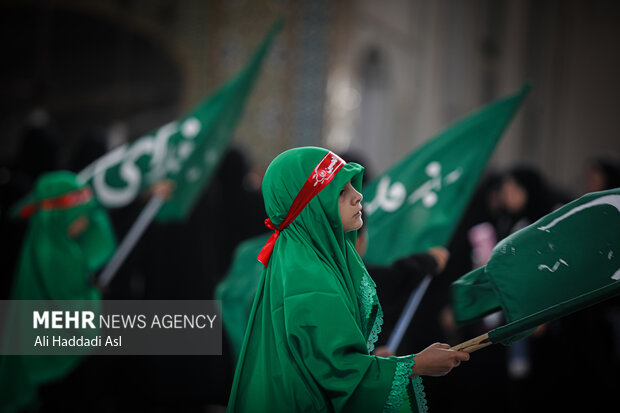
point(437, 360)
point(441, 256)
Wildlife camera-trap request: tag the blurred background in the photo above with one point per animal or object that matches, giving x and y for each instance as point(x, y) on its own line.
point(373, 78)
point(381, 78)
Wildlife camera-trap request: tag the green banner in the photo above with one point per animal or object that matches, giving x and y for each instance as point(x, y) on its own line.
point(187, 150)
point(418, 203)
point(565, 261)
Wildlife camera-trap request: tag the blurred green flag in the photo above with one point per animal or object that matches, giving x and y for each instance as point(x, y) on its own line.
point(237, 290)
point(187, 150)
point(418, 203)
point(566, 261)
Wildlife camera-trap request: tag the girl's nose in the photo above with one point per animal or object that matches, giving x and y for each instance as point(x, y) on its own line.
point(358, 197)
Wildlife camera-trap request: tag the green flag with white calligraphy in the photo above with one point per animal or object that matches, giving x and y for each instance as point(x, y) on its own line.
point(418, 203)
point(566, 261)
point(187, 150)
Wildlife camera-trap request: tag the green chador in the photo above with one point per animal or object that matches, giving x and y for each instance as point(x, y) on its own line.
point(53, 266)
point(316, 315)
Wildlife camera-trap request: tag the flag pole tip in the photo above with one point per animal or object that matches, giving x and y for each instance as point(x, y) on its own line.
point(278, 24)
point(527, 86)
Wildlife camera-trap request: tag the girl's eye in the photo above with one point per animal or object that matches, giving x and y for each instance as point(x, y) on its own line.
point(342, 192)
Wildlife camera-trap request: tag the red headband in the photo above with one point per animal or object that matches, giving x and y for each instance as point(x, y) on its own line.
point(68, 200)
point(320, 177)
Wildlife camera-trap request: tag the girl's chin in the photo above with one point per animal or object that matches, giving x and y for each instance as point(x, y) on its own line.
point(358, 223)
point(354, 225)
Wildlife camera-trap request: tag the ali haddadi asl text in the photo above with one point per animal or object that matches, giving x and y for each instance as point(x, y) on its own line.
point(77, 341)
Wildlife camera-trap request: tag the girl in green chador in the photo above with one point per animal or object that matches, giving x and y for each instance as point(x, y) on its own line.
point(316, 315)
point(69, 237)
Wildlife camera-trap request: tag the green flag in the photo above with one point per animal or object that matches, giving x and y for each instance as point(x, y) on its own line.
point(566, 261)
point(418, 203)
point(187, 150)
point(237, 290)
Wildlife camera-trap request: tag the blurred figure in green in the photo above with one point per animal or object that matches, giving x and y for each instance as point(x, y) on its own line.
point(69, 238)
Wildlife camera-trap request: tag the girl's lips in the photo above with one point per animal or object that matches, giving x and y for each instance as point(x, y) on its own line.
point(359, 214)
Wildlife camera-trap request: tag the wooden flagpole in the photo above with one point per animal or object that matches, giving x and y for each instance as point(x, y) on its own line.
point(474, 344)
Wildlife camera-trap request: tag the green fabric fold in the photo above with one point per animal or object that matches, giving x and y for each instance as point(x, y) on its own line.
point(480, 298)
point(564, 262)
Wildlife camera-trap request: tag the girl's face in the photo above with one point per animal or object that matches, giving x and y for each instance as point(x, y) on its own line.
point(78, 226)
point(350, 208)
point(514, 196)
